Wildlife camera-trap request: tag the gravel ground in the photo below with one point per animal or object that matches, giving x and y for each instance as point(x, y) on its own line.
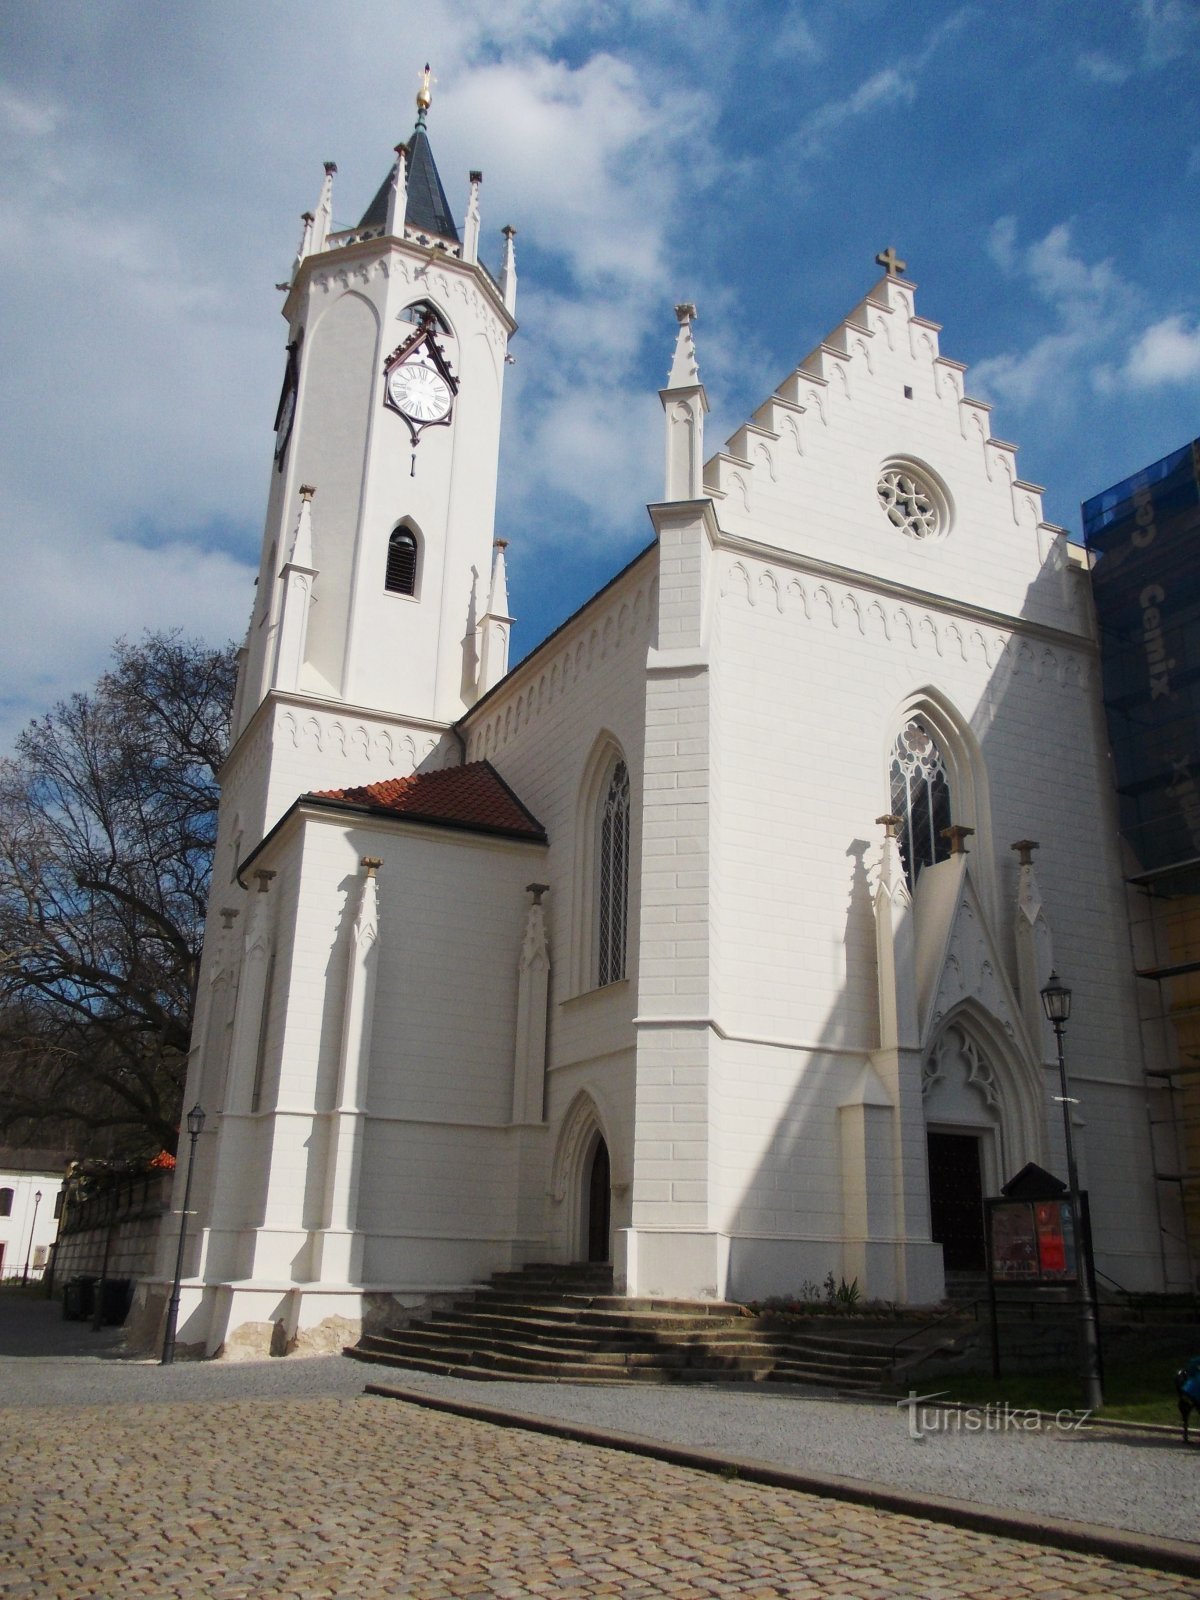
point(1131, 1481)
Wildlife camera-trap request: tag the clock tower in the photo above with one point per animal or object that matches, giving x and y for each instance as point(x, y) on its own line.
point(375, 623)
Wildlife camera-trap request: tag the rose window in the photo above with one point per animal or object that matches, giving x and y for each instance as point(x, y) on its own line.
point(911, 503)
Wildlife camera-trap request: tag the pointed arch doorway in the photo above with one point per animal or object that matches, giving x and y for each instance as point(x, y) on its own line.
point(597, 1203)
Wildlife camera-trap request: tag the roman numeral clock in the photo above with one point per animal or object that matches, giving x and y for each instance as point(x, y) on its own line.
point(418, 383)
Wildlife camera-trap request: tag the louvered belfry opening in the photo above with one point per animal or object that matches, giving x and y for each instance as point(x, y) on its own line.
point(401, 563)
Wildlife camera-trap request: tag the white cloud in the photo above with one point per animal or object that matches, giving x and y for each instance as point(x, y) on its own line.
point(67, 597)
point(894, 85)
point(887, 87)
point(26, 117)
point(1163, 31)
point(1091, 306)
point(1102, 69)
point(1167, 352)
point(1170, 29)
point(590, 151)
point(598, 154)
point(1098, 315)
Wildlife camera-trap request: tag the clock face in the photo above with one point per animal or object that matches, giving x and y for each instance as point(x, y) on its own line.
point(420, 393)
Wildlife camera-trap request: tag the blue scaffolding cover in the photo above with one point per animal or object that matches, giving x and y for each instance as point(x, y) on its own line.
point(1145, 535)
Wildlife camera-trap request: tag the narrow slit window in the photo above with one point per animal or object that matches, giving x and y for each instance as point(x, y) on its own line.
point(401, 563)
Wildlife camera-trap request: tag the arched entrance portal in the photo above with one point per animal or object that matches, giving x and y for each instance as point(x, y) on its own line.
point(981, 1122)
point(597, 1203)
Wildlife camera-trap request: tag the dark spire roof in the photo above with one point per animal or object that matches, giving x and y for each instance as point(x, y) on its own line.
point(428, 210)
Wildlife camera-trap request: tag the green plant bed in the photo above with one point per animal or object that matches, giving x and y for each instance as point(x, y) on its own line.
point(1142, 1391)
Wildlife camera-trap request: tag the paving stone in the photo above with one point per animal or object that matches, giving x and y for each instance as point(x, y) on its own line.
point(333, 1497)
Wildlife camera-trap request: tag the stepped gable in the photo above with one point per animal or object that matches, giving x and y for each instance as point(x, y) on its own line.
point(474, 796)
point(876, 392)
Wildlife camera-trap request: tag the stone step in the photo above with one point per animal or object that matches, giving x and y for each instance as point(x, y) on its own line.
point(553, 1324)
point(583, 1316)
point(444, 1369)
point(534, 1326)
point(574, 1375)
point(505, 1364)
point(819, 1377)
point(741, 1333)
point(571, 1301)
point(447, 1347)
point(863, 1349)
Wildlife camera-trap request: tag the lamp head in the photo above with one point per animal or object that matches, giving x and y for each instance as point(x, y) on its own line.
point(1056, 1000)
point(195, 1120)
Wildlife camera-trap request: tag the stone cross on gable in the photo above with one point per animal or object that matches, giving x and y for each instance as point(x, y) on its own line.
point(891, 262)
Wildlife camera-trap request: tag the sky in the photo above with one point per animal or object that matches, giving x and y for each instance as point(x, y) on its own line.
point(1036, 165)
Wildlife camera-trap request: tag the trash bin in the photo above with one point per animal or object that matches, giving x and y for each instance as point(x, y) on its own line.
point(79, 1298)
point(115, 1300)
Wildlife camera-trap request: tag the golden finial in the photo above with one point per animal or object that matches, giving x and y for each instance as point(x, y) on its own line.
point(425, 93)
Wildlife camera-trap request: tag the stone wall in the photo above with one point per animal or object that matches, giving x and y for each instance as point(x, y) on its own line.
point(123, 1214)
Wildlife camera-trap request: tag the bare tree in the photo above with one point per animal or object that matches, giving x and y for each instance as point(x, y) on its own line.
point(108, 816)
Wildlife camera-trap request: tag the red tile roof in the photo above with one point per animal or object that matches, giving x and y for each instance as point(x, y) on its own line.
point(474, 796)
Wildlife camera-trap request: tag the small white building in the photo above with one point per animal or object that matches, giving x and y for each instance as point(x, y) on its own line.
point(708, 939)
point(29, 1207)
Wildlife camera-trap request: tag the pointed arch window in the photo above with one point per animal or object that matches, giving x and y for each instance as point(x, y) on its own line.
point(920, 798)
point(401, 575)
point(612, 877)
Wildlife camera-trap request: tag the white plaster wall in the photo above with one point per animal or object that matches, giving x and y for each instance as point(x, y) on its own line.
point(805, 777)
point(829, 618)
point(539, 729)
point(29, 1227)
point(437, 1191)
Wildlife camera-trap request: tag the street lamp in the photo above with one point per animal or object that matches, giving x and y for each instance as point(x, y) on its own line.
point(37, 1200)
point(1056, 1002)
point(195, 1122)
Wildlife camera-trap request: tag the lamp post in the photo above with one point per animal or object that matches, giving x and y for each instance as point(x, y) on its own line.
point(195, 1122)
point(37, 1200)
point(1056, 1002)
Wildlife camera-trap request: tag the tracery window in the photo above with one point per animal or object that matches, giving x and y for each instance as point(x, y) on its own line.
point(920, 798)
point(401, 577)
point(913, 500)
point(612, 878)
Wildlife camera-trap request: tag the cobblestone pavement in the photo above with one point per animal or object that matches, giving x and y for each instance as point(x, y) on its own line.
point(362, 1496)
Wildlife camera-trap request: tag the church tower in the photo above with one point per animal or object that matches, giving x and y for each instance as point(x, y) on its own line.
point(376, 622)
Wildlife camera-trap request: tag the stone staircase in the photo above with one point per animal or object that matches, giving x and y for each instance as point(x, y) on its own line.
point(556, 1324)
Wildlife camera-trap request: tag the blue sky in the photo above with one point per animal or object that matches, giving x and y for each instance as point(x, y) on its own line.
point(1037, 166)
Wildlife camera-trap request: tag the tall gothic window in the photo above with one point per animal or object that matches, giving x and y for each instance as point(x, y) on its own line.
point(612, 877)
point(920, 798)
point(401, 575)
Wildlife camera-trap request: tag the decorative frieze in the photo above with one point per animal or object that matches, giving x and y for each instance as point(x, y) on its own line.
point(626, 618)
point(804, 597)
point(396, 751)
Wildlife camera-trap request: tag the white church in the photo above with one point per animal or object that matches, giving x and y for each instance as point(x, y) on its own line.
point(707, 940)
